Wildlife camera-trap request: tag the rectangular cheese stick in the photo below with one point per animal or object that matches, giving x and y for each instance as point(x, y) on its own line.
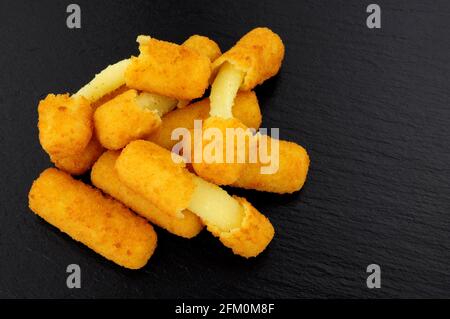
point(148, 169)
point(104, 176)
point(85, 214)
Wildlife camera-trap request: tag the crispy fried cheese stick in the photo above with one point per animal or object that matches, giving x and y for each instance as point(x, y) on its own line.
point(129, 117)
point(204, 46)
point(112, 78)
point(224, 90)
point(101, 223)
point(245, 108)
point(104, 176)
point(80, 163)
point(256, 57)
point(168, 69)
point(217, 169)
point(148, 169)
point(65, 124)
point(145, 161)
point(109, 96)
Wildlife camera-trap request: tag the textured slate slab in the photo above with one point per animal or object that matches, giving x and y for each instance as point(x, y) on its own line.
point(371, 107)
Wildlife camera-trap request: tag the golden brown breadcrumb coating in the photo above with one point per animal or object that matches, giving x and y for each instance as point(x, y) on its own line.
point(203, 199)
point(168, 69)
point(245, 108)
point(286, 170)
point(120, 126)
point(291, 175)
point(252, 237)
point(258, 53)
point(65, 124)
point(150, 171)
point(80, 163)
point(101, 223)
point(204, 46)
point(109, 96)
point(221, 172)
point(121, 120)
point(104, 176)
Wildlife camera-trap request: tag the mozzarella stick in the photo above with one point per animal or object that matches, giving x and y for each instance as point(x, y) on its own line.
point(129, 117)
point(110, 82)
point(293, 165)
point(245, 108)
point(80, 163)
point(101, 223)
point(213, 167)
point(105, 82)
point(104, 177)
point(149, 170)
point(281, 170)
point(256, 57)
point(168, 69)
point(65, 124)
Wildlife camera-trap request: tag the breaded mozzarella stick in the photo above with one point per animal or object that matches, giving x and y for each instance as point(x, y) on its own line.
point(217, 169)
point(104, 176)
point(256, 57)
point(101, 223)
point(168, 69)
point(148, 169)
point(109, 96)
point(204, 46)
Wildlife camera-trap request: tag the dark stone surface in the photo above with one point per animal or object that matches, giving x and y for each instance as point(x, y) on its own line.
point(370, 106)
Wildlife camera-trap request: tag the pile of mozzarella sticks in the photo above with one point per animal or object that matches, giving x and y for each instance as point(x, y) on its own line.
point(119, 126)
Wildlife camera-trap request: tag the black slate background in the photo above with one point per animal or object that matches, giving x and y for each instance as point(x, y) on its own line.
point(370, 106)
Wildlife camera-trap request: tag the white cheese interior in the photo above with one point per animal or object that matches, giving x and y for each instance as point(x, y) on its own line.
point(155, 102)
point(213, 205)
point(224, 90)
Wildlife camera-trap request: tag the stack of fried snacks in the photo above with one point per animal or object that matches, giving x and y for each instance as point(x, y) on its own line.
point(121, 126)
